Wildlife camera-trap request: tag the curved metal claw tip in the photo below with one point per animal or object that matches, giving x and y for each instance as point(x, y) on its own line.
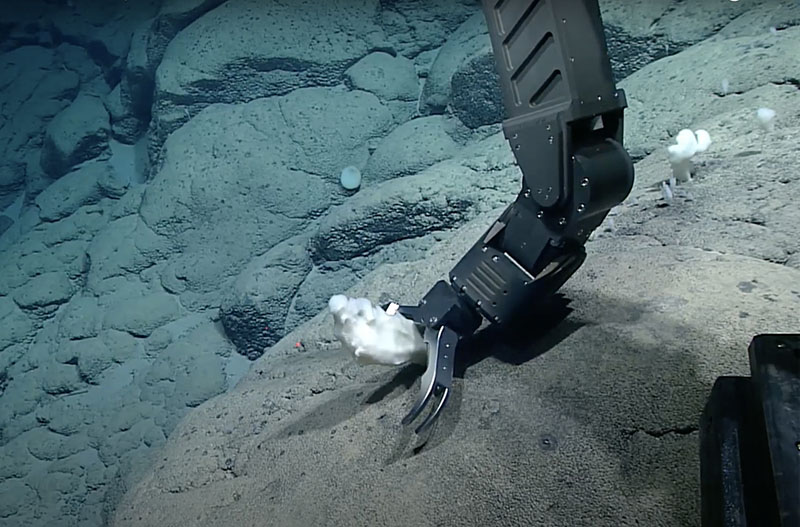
point(434, 415)
point(438, 376)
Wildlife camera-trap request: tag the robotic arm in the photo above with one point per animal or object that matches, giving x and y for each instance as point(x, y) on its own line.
point(564, 119)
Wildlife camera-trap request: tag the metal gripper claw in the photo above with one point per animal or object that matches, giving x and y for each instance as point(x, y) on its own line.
point(438, 377)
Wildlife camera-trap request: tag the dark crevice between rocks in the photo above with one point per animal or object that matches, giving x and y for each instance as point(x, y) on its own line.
point(661, 432)
point(3, 381)
point(111, 65)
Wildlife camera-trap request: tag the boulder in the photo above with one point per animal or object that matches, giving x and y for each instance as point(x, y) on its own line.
point(72, 191)
point(410, 148)
point(275, 169)
point(78, 133)
point(34, 88)
point(390, 78)
point(200, 68)
point(468, 39)
point(476, 98)
point(254, 310)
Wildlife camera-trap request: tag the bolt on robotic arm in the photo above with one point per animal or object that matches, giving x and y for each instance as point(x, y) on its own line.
point(564, 119)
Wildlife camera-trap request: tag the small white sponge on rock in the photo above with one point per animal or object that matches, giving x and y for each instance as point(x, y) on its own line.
point(350, 178)
point(373, 336)
point(766, 118)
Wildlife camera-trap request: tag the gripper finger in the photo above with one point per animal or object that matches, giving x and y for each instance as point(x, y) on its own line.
point(438, 377)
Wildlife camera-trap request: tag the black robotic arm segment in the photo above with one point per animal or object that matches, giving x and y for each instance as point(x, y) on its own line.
point(564, 124)
point(550, 53)
point(558, 91)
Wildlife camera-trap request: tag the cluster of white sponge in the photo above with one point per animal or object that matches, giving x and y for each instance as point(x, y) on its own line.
point(374, 336)
point(680, 155)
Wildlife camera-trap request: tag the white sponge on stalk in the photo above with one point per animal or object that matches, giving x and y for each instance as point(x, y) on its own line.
point(680, 155)
point(373, 336)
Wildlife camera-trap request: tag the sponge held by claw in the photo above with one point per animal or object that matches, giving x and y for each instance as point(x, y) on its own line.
point(372, 335)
